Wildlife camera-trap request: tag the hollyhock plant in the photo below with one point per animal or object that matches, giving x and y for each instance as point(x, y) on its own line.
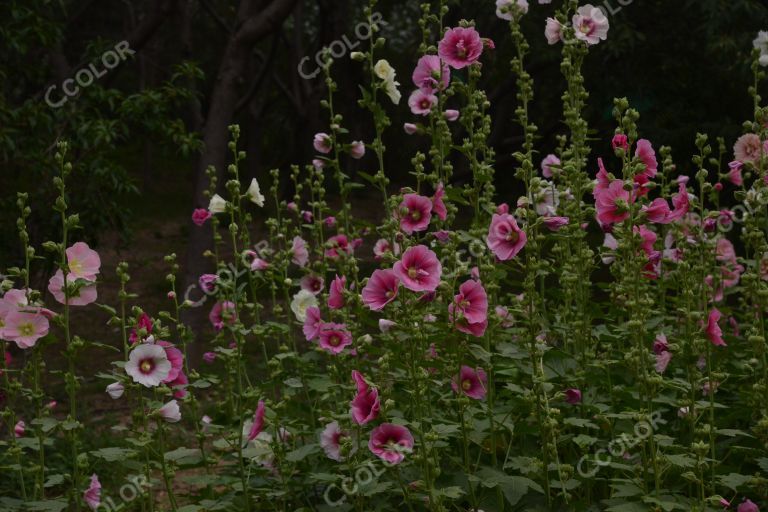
point(334, 338)
point(734, 173)
point(612, 204)
point(505, 238)
point(92, 495)
point(391, 442)
point(364, 408)
point(471, 382)
point(747, 506)
point(431, 75)
point(384, 247)
point(83, 262)
point(460, 47)
point(148, 365)
point(381, 289)
point(590, 24)
point(217, 204)
point(330, 441)
point(554, 223)
point(356, 151)
point(336, 292)
point(451, 115)
point(419, 269)
point(257, 423)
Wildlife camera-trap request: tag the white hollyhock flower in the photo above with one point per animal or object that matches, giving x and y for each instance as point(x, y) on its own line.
point(217, 204)
point(148, 365)
point(116, 390)
point(254, 193)
point(170, 412)
point(761, 43)
point(302, 301)
point(386, 72)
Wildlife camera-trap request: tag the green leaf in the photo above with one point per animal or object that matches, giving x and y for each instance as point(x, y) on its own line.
point(185, 456)
point(47, 505)
point(734, 480)
point(302, 453)
point(114, 454)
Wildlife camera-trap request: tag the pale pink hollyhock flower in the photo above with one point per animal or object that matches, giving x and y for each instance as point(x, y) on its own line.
point(148, 365)
point(364, 408)
point(390, 442)
point(748, 148)
point(724, 503)
point(612, 204)
point(505, 239)
point(83, 262)
point(386, 325)
point(206, 422)
point(208, 282)
point(336, 292)
point(474, 273)
point(460, 47)
point(312, 283)
point(473, 382)
point(200, 215)
point(381, 289)
point(222, 313)
point(419, 269)
point(12, 301)
point(504, 316)
point(734, 173)
point(336, 246)
point(312, 323)
point(25, 328)
point(322, 143)
point(258, 264)
point(19, 429)
point(300, 252)
point(383, 246)
point(660, 344)
point(257, 424)
point(451, 115)
point(330, 441)
point(553, 31)
point(415, 213)
point(590, 24)
point(662, 361)
point(85, 294)
point(620, 141)
point(429, 76)
point(747, 506)
point(209, 357)
point(170, 412)
point(410, 128)
point(712, 330)
point(573, 396)
point(334, 337)
point(611, 244)
point(508, 9)
point(318, 163)
point(547, 164)
point(292, 207)
point(438, 206)
point(92, 495)
point(115, 390)
point(357, 150)
point(555, 223)
point(421, 103)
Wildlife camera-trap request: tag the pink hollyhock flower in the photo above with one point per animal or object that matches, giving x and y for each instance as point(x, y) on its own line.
point(222, 313)
point(473, 383)
point(92, 495)
point(300, 252)
point(553, 31)
point(734, 325)
point(662, 361)
point(451, 115)
point(658, 211)
point(382, 247)
point(19, 429)
point(330, 441)
point(603, 179)
point(438, 206)
point(430, 76)
point(312, 323)
point(548, 163)
point(505, 239)
point(748, 148)
point(442, 236)
point(747, 506)
point(86, 293)
point(612, 204)
point(590, 24)
point(208, 282)
point(170, 412)
point(200, 215)
point(471, 302)
point(312, 283)
point(419, 269)
point(620, 141)
point(144, 321)
point(415, 213)
point(148, 365)
point(25, 328)
point(648, 239)
point(390, 442)
point(555, 223)
point(330, 221)
point(364, 408)
point(336, 292)
point(334, 337)
point(681, 203)
point(502, 209)
point(386, 325)
point(381, 289)
point(460, 47)
point(504, 316)
point(421, 103)
point(645, 153)
point(175, 357)
point(257, 424)
point(410, 128)
point(712, 330)
point(209, 357)
point(509, 9)
point(337, 245)
point(734, 173)
point(307, 216)
point(115, 390)
point(318, 163)
point(322, 143)
point(83, 262)
point(357, 150)
point(573, 396)
point(660, 344)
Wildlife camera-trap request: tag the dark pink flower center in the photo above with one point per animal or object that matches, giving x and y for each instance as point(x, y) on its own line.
point(146, 366)
point(334, 340)
point(466, 384)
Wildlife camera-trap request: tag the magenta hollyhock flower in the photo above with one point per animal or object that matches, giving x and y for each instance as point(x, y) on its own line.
point(209, 357)
point(208, 282)
point(645, 153)
point(573, 396)
point(748, 148)
point(712, 329)
point(19, 429)
point(472, 382)
point(330, 441)
point(658, 211)
point(170, 412)
point(612, 204)
point(312, 323)
point(257, 423)
point(334, 337)
point(430, 75)
point(381, 289)
point(337, 245)
point(548, 163)
point(312, 283)
point(438, 206)
point(329, 221)
point(336, 292)
point(85, 294)
point(357, 150)
point(555, 223)
point(747, 506)
point(590, 24)
point(681, 203)
point(419, 269)
point(222, 313)
point(144, 321)
point(421, 103)
point(460, 47)
point(662, 361)
point(200, 215)
point(299, 251)
point(307, 216)
point(322, 143)
point(553, 31)
point(364, 408)
point(415, 213)
point(175, 357)
point(25, 328)
point(471, 302)
point(505, 239)
point(390, 442)
point(148, 365)
point(92, 495)
point(734, 173)
point(83, 262)
point(620, 141)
